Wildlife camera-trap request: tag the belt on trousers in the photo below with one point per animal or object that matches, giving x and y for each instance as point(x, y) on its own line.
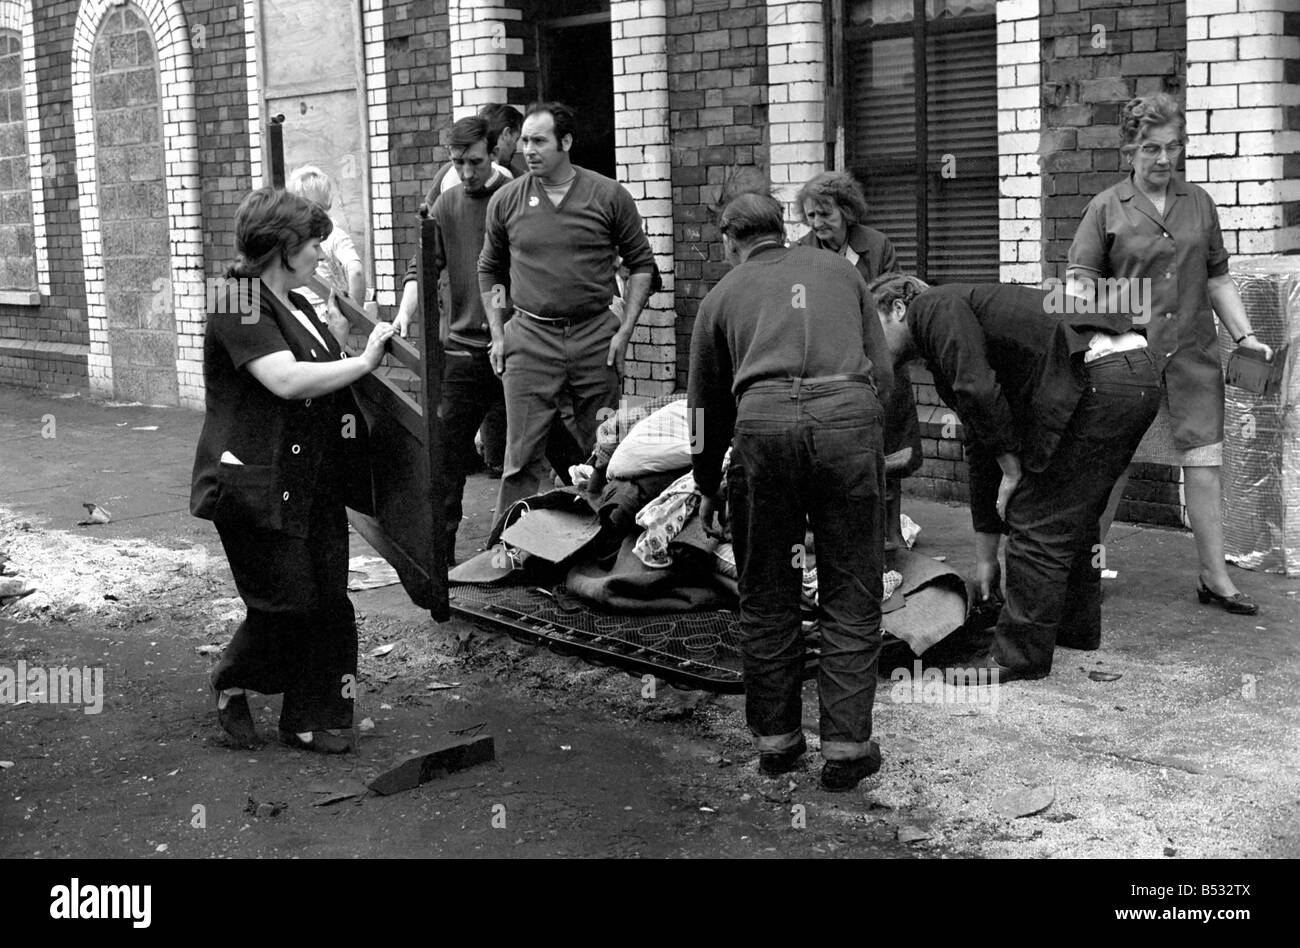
point(559, 320)
point(1131, 356)
point(795, 384)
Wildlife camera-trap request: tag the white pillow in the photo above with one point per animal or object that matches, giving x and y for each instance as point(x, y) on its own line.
point(658, 442)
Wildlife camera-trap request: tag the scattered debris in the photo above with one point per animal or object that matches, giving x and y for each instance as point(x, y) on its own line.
point(347, 790)
point(94, 514)
point(471, 731)
point(145, 428)
point(370, 572)
point(209, 649)
point(458, 755)
point(367, 724)
point(1103, 676)
point(1019, 803)
point(13, 587)
point(910, 833)
point(382, 650)
point(441, 685)
point(11, 590)
point(463, 637)
point(6, 764)
point(262, 810)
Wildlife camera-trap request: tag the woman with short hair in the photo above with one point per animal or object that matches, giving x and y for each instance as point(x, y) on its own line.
point(281, 452)
point(1154, 226)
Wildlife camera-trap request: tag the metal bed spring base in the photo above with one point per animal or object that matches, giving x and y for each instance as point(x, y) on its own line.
point(609, 648)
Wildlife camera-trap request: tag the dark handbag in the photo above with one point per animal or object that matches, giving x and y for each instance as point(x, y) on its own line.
point(1249, 370)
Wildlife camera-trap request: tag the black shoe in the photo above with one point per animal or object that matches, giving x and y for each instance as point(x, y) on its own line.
point(1004, 673)
point(839, 776)
point(322, 742)
point(1240, 604)
point(781, 762)
point(236, 720)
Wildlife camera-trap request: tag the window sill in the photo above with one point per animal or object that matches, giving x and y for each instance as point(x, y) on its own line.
point(20, 297)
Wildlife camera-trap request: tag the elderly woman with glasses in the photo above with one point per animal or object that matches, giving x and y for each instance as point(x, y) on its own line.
point(1155, 239)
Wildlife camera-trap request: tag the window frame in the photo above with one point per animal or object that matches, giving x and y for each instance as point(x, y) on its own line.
point(920, 28)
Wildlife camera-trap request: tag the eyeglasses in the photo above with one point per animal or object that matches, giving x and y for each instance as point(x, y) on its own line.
point(1151, 150)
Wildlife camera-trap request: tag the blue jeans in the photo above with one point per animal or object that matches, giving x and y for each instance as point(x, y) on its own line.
point(1053, 575)
point(804, 453)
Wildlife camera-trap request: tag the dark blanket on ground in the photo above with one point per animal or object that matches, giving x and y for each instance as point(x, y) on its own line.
point(631, 586)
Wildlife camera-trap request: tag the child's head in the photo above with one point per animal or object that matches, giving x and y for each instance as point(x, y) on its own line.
point(313, 184)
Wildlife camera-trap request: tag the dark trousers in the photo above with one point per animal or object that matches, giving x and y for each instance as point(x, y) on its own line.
point(1053, 568)
point(799, 455)
point(472, 395)
point(300, 634)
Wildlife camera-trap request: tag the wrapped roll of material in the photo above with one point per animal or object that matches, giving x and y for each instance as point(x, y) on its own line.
point(1261, 444)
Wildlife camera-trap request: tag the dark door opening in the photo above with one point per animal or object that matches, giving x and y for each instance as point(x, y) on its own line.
point(577, 68)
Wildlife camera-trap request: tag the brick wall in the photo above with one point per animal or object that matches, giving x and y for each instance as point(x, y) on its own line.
point(225, 149)
point(638, 34)
point(419, 110)
point(717, 111)
point(1243, 118)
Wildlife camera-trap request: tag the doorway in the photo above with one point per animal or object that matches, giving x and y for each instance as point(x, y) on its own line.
point(576, 67)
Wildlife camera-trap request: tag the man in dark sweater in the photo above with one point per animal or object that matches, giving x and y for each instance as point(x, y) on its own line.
point(553, 242)
point(1053, 408)
point(471, 391)
point(787, 354)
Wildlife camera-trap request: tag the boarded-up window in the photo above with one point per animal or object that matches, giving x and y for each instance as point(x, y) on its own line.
point(928, 162)
point(17, 243)
point(312, 74)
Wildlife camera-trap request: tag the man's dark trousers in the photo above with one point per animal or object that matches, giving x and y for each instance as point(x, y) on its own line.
point(470, 392)
point(1053, 563)
point(809, 452)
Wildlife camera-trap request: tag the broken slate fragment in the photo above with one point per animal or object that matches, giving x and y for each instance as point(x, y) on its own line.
point(94, 514)
point(457, 755)
point(910, 833)
point(348, 790)
point(1020, 803)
